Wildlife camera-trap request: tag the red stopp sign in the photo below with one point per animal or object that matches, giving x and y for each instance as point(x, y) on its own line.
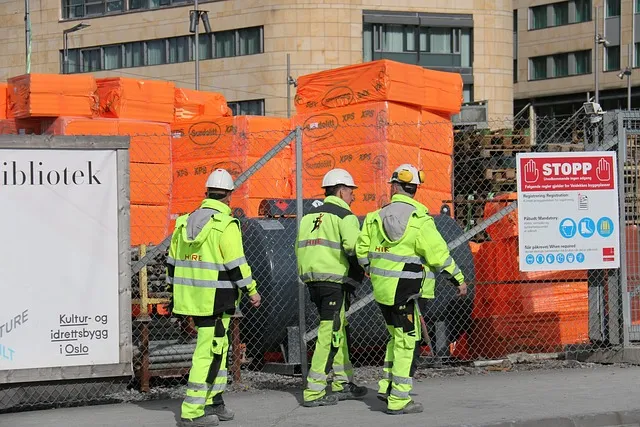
point(566, 173)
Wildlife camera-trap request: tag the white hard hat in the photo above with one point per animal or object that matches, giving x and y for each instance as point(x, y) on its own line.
point(407, 174)
point(338, 177)
point(220, 179)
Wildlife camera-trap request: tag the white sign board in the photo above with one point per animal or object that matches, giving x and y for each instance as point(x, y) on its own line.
point(568, 211)
point(59, 258)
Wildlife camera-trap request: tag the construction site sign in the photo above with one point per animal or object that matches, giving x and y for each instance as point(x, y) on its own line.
point(568, 211)
point(60, 258)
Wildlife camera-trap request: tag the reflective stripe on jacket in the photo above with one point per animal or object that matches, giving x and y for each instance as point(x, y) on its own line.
point(325, 246)
point(404, 267)
point(206, 263)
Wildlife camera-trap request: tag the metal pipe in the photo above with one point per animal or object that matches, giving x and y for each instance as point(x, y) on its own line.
point(65, 49)
point(301, 286)
point(172, 351)
point(197, 46)
point(629, 61)
point(27, 35)
point(174, 358)
point(170, 365)
point(288, 85)
point(595, 54)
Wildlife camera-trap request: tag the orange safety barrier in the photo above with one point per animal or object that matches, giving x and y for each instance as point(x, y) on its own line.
point(506, 299)
point(227, 137)
point(3, 100)
point(361, 123)
point(507, 226)
point(496, 336)
point(150, 184)
point(381, 80)
point(194, 105)
point(52, 95)
point(126, 98)
point(149, 224)
point(497, 261)
point(150, 142)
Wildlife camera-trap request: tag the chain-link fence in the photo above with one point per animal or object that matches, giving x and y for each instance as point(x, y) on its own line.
point(278, 166)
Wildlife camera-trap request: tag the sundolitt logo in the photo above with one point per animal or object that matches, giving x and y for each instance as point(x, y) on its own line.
point(37, 173)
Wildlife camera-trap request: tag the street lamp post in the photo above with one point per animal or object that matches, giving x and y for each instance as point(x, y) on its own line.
point(194, 27)
point(598, 40)
point(65, 44)
point(627, 72)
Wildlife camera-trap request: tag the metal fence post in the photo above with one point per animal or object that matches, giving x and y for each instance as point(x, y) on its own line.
point(624, 294)
point(301, 286)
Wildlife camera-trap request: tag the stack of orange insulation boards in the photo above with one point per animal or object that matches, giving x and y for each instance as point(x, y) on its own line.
point(235, 144)
point(523, 311)
point(369, 118)
point(169, 129)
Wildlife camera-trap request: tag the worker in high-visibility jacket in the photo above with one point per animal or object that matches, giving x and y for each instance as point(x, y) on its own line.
point(325, 249)
point(402, 251)
point(208, 273)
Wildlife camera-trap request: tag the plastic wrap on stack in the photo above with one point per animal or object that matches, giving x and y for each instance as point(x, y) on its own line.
point(191, 105)
point(52, 95)
point(381, 80)
point(126, 98)
point(3, 100)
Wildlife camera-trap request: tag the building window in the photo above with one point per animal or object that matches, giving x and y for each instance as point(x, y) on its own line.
point(249, 40)
point(637, 6)
point(583, 10)
point(253, 107)
point(538, 68)
point(637, 55)
point(562, 65)
point(515, 46)
point(539, 17)
point(112, 57)
point(73, 9)
point(166, 51)
point(583, 62)
point(612, 8)
point(562, 13)
point(180, 49)
point(612, 58)
point(80, 8)
point(434, 47)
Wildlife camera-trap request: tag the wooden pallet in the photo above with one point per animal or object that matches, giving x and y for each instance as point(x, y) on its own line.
point(577, 135)
point(564, 148)
point(503, 151)
point(500, 175)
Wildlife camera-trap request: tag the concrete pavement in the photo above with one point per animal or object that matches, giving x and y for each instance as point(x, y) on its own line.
point(565, 397)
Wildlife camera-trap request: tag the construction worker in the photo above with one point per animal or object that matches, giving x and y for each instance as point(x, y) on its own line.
point(208, 272)
point(325, 249)
point(402, 251)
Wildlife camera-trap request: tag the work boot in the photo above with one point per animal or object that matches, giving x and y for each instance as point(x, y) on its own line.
point(326, 400)
point(411, 408)
point(351, 391)
point(383, 396)
point(223, 413)
point(203, 421)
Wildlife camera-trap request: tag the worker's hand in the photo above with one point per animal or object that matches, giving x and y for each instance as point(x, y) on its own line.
point(462, 290)
point(255, 300)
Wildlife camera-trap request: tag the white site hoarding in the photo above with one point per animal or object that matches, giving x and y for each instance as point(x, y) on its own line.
point(61, 260)
point(568, 214)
